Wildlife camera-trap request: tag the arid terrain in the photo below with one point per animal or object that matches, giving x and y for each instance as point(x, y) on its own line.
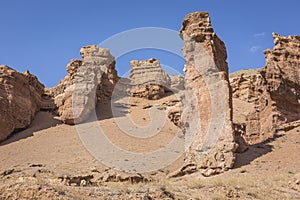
point(48, 161)
point(207, 135)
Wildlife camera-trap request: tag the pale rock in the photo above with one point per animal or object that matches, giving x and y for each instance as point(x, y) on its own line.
point(89, 80)
point(148, 79)
point(207, 114)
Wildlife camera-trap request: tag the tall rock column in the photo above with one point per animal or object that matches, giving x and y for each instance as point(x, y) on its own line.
point(207, 116)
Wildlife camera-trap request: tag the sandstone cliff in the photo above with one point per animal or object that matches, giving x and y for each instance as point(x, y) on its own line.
point(282, 73)
point(20, 99)
point(268, 100)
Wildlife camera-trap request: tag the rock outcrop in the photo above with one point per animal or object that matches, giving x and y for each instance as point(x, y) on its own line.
point(249, 100)
point(207, 114)
point(89, 80)
point(20, 99)
point(282, 73)
point(173, 108)
point(148, 79)
point(268, 100)
point(177, 82)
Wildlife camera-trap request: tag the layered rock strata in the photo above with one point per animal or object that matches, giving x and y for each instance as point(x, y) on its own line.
point(282, 73)
point(148, 79)
point(207, 115)
point(267, 100)
point(89, 80)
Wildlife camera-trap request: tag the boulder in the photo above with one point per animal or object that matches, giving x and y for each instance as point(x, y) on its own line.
point(294, 183)
point(20, 99)
point(239, 132)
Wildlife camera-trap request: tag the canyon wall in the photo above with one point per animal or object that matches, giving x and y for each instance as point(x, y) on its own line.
point(20, 98)
point(267, 100)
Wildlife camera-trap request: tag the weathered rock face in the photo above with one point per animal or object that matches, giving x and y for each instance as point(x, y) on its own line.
point(104, 62)
point(267, 100)
point(250, 99)
point(148, 80)
point(282, 73)
point(72, 69)
point(20, 99)
point(173, 108)
point(149, 91)
point(88, 80)
point(211, 139)
point(177, 82)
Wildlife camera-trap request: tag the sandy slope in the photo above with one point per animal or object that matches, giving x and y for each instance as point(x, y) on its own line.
point(32, 160)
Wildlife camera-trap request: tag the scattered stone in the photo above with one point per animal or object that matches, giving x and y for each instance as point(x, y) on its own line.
point(7, 172)
point(294, 183)
point(36, 165)
point(147, 106)
point(174, 114)
point(113, 176)
point(76, 180)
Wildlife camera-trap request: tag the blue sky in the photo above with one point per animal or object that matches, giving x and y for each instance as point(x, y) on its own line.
point(43, 36)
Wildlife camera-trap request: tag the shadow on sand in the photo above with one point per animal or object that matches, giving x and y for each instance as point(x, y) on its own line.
point(254, 151)
point(43, 120)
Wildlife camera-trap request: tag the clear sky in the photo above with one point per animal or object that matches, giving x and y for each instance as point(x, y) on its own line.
point(43, 36)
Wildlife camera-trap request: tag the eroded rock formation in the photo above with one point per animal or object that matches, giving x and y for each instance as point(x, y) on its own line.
point(88, 80)
point(268, 100)
point(20, 99)
point(250, 99)
point(265, 100)
point(177, 82)
point(148, 79)
point(211, 139)
point(282, 73)
point(173, 108)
